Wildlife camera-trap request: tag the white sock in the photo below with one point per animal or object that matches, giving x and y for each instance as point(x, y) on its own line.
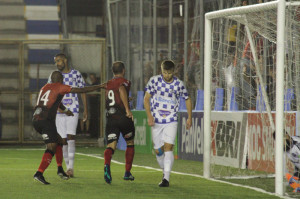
point(160, 160)
point(71, 152)
point(65, 155)
point(168, 163)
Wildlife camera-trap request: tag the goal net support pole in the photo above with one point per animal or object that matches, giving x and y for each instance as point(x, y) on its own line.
point(280, 54)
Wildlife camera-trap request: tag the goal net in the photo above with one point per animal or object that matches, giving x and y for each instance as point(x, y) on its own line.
point(241, 54)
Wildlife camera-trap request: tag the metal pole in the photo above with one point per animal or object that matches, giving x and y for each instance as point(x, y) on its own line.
point(117, 22)
point(170, 29)
point(201, 43)
point(64, 18)
point(141, 44)
point(128, 40)
point(185, 45)
point(111, 35)
point(154, 37)
point(280, 54)
point(207, 99)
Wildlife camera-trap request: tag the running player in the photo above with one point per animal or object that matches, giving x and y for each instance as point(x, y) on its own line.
point(48, 101)
point(119, 119)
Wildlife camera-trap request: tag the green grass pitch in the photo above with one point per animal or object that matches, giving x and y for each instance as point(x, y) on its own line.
point(18, 165)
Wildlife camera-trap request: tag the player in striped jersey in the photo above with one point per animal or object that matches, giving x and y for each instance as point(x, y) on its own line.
point(66, 126)
point(164, 92)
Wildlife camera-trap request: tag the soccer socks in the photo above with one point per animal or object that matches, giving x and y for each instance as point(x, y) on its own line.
point(160, 160)
point(168, 163)
point(46, 160)
point(129, 154)
point(59, 155)
point(65, 154)
point(108, 155)
point(71, 153)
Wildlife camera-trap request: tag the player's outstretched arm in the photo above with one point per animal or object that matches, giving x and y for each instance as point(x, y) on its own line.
point(87, 88)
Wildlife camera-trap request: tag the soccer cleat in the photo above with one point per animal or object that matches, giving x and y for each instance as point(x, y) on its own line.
point(38, 176)
point(107, 175)
point(292, 181)
point(70, 172)
point(164, 183)
point(61, 173)
point(128, 176)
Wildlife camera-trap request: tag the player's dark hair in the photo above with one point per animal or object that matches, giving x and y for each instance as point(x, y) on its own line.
point(56, 76)
point(118, 67)
point(61, 55)
point(168, 65)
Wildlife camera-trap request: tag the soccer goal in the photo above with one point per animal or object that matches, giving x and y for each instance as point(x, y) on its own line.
point(251, 89)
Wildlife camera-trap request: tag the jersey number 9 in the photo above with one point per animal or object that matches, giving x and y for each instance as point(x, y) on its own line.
point(111, 96)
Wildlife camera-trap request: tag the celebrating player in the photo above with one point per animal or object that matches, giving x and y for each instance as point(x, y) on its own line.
point(48, 101)
point(119, 119)
point(165, 91)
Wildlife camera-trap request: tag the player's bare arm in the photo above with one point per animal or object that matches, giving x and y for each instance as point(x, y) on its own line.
point(65, 110)
point(188, 103)
point(85, 109)
point(124, 98)
point(147, 108)
point(86, 89)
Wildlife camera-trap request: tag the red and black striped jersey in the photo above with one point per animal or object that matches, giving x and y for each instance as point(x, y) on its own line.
point(112, 94)
point(49, 98)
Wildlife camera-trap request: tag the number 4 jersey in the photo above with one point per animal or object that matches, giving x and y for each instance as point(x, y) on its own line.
point(113, 100)
point(49, 98)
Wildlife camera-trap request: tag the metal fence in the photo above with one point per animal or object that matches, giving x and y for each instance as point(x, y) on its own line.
point(143, 33)
point(25, 66)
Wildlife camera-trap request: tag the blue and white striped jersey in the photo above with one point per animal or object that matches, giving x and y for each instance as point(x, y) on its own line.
point(75, 80)
point(164, 103)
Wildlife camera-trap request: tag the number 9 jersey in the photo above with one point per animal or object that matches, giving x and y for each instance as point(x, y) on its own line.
point(114, 104)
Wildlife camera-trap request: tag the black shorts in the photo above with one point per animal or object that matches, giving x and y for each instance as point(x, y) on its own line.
point(47, 129)
point(115, 126)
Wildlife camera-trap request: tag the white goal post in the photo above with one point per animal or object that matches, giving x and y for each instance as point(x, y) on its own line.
point(280, 64)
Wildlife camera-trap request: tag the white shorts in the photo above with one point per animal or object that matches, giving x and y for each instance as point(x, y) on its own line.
point(164, 133)
point(66, 124)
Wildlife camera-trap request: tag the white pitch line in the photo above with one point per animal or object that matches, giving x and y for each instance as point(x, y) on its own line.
point(188, 174)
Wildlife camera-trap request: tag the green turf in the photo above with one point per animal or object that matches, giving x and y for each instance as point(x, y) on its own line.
point(18, 166)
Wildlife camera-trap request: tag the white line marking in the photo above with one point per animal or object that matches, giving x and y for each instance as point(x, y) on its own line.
point(187, 174)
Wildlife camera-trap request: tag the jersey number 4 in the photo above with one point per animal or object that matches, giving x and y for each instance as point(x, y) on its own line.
point(111, 96)
point(44, 98)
